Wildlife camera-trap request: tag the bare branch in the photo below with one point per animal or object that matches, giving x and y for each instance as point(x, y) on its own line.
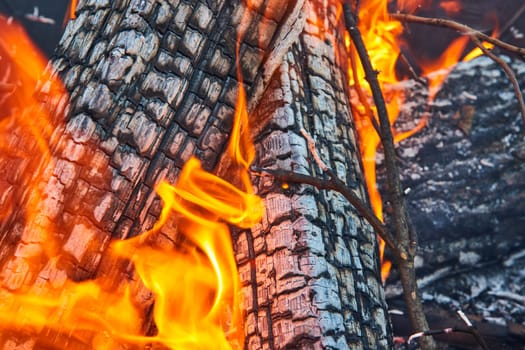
point(441, 22)
point(337, 185)
point(404, 232)
point(387, 139)
point(472, 330)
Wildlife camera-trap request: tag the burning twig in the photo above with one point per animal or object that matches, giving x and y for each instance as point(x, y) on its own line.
point(405, 235)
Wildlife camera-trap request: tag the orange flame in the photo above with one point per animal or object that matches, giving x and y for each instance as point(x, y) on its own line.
point(451, 7)
point(437, 71)
point(72, 8)
point(194, 282)
point(25, 124)
point(381, 35)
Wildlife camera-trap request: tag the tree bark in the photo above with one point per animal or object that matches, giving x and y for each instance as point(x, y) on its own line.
point(153, 83)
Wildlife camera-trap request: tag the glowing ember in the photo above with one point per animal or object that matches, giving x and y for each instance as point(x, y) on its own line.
point(195, 282)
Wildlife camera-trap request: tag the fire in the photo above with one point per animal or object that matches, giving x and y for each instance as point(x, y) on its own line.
point(382, 36)
point(72, 7)
point(410, 6)
point(25, 124)
point(206, 203)
point(193, 279)
point(451, 7)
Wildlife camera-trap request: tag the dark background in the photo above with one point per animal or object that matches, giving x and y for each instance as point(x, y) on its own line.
point(45, 35)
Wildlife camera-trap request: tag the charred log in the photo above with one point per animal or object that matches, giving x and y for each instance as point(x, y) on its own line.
point(153, 83)
point(464, 183)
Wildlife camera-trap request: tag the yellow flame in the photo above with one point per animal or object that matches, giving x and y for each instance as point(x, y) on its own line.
point(381, 35)
point(194, 281)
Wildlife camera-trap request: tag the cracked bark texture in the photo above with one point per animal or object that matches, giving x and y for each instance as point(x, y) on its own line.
point(314, 283)
point(153, 83)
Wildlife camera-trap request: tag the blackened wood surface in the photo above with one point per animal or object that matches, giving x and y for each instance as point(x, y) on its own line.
point(315, 273)
point(464, 177)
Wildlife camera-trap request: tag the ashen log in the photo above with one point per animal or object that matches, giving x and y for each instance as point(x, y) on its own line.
point(464, 180)
point(153, 83)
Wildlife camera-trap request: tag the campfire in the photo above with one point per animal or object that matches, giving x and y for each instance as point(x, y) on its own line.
point(137, 212)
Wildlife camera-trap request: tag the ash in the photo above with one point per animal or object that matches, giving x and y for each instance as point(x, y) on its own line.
point(464, 180)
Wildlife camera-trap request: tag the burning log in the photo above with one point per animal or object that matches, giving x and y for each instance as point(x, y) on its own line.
point(153, 84)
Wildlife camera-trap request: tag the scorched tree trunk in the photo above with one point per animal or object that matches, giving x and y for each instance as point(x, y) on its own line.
point(153, 83)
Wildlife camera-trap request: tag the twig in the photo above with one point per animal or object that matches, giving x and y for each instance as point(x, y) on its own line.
point(386, 136)
point(507, 70)
point(404, 234)
point(335, 184)
point(441, 22)
point(431, 332)
point(477, 38)
point(472, 330)
point(410, 68)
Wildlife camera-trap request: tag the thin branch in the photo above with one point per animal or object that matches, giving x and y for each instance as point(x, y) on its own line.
point(441, 22)
point(431, 332)
point(410, 68)
point(387, 139)
point(510, 74)
point(472, 330)
point(404, 234)
point(510, 22)
point(477, 38)
point(334, 184)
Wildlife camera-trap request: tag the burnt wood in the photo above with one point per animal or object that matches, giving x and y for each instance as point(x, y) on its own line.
point(153, 83)
point(464, 180)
